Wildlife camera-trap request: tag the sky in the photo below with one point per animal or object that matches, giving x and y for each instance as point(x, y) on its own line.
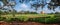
point(27, 7)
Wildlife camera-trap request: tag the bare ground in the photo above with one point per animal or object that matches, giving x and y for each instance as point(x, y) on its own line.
point(24, 23)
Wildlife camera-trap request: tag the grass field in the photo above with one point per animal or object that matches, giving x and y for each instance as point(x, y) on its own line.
point(41, 18)
point(28, 15)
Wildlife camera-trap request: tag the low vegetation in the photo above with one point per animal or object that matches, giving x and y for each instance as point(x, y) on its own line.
point(43, 18)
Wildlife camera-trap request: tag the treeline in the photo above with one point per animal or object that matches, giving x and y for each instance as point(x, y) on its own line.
point(25, 12)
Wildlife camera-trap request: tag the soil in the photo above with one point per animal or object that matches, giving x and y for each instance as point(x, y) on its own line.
point(24, 23)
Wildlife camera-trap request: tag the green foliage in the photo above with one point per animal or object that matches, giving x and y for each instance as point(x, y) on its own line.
point(22, 18)
point(52, 20)
point(41, 20)
point(4, 1)
point(0, 11)
point(26, 12)
point(11, 19)
point(8, 19)
point(49, 20)
point(57, 12)
point(2, 18)
point(57, 15)
point(33, 13)
point(46, 19)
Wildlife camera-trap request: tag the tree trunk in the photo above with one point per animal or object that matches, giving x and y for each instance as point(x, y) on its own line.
point(36, 9)
point(42, 10)
point(13, 12)
point(0, 15)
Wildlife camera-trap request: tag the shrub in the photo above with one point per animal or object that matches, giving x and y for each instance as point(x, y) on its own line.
point(57, 15)
point(41, 20)
point(46, 20)
point(11, 19)
point(2, 18)
point(8, 19)
point(22, 18)
point(49, 20)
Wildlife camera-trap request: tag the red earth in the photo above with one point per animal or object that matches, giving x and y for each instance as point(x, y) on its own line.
point(24, 23)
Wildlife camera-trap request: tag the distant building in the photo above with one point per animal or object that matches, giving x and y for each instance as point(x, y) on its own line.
point(42, 12)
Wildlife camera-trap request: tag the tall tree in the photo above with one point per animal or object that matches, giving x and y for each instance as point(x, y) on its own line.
point(52, 5)
point(38, 4)
point(10, 3)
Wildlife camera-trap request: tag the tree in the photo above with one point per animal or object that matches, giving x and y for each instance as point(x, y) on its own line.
point(57, 2)
point(25, 1)
point(57, 12)
point(10, 3)
point(38, 4)
point(5, 2)
point(0, 7)
point(52, 6)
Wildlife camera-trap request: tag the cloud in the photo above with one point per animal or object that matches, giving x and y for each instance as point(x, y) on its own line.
point(23, 5)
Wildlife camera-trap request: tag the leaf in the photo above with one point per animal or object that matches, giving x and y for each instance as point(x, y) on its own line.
point(4, 1)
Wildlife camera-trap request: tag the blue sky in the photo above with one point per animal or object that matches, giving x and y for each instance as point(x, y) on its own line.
point(26, 7)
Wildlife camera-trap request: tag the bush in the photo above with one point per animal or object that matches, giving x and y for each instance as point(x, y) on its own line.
point(57, 15)
point(22, 18)
point(0, 13)
point(46, 20)
point(52, 20)
point(49, 20)
point(2, 18)
point(8, 19)
point(12, 19)
point(41, 20)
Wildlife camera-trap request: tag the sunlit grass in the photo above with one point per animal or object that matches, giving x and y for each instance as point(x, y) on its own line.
point(28, 15)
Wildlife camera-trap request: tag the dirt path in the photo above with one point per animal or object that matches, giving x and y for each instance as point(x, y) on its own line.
point(24, 23)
